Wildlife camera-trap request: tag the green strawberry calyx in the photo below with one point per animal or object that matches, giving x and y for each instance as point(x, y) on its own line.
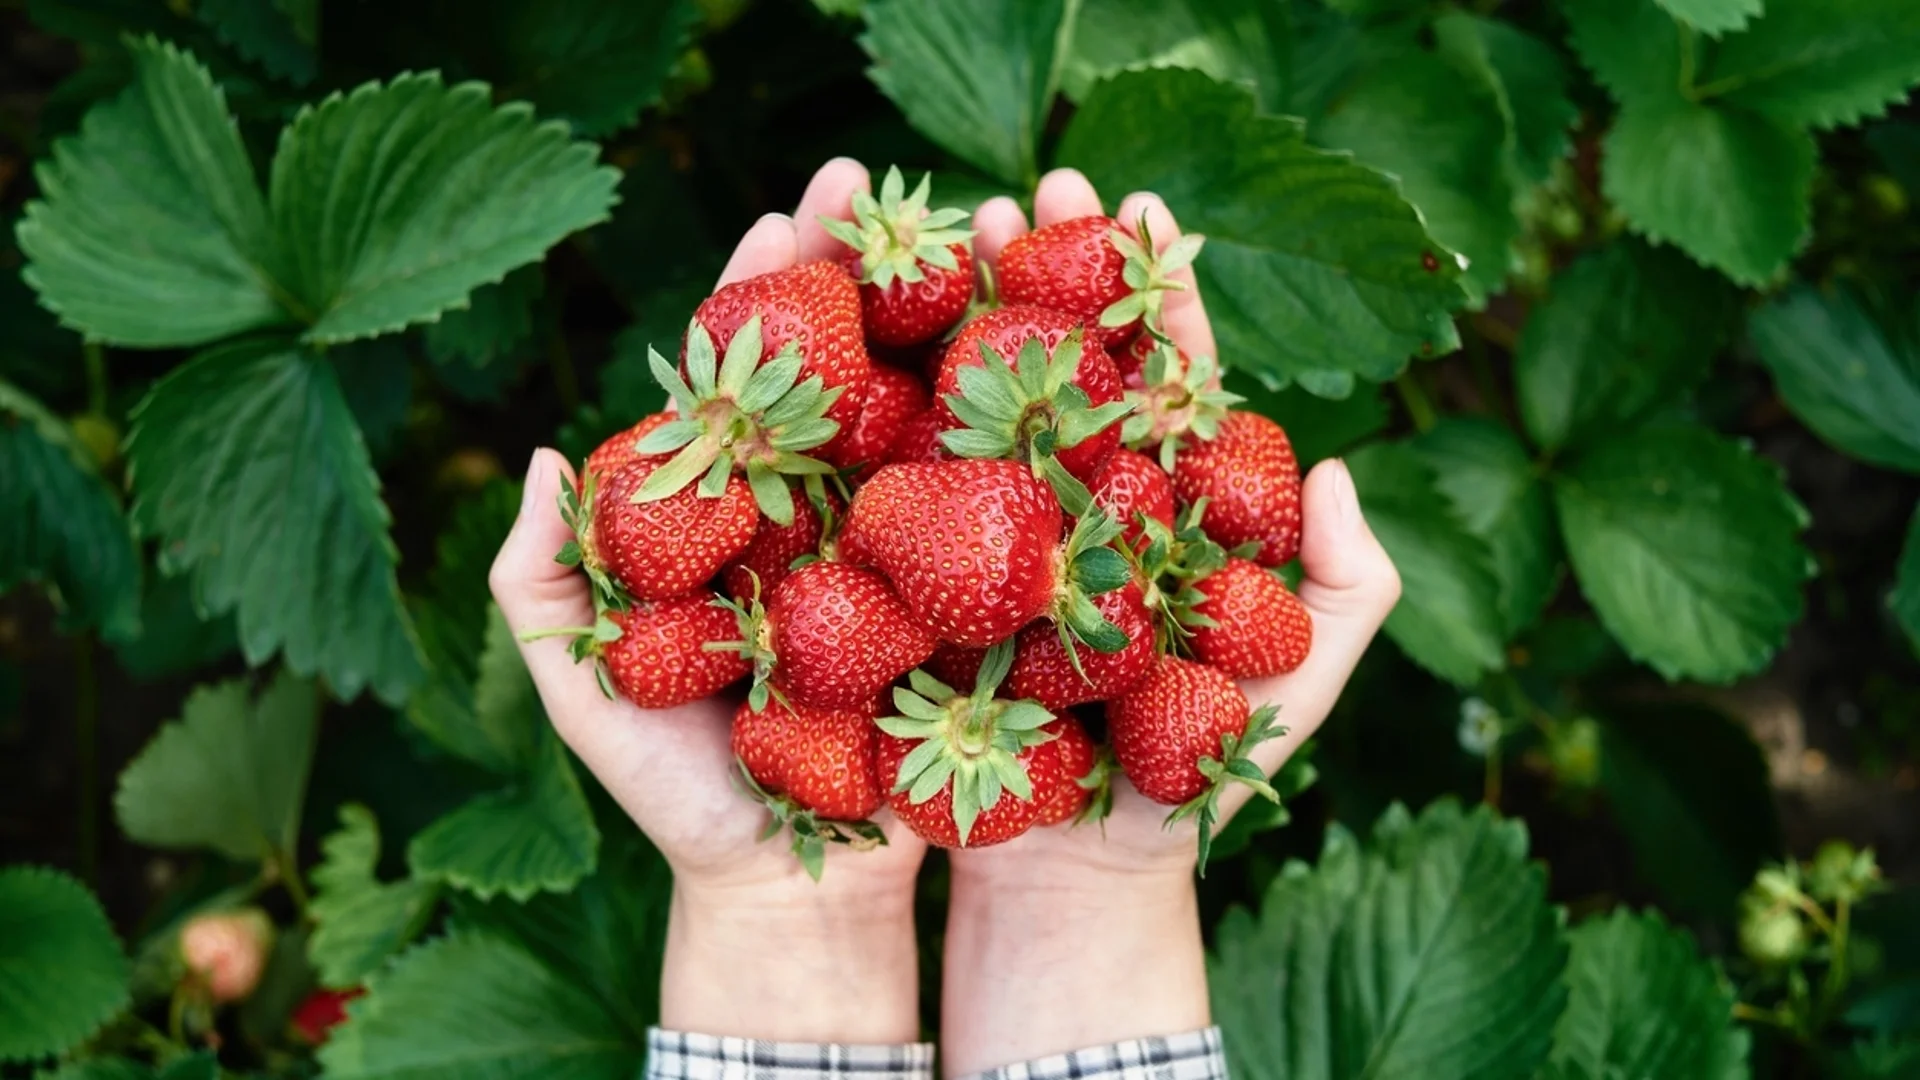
point(1089, 566)
point(1147, 274)
point(969, 741)
point(811, 833)
point(1174, 562)
point(739, 415)
point(1235, 765)
point(1180, 398)
point(896, 235)
point(1028, 411)
point(755, 645)
point(576, 509)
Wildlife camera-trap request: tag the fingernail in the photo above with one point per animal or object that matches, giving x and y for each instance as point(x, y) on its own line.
point(784, 219)
point(532, 481)
point(1346, 499)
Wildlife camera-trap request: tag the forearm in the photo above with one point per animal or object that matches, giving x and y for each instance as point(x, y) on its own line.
point(803, 968)
point(1044, 968)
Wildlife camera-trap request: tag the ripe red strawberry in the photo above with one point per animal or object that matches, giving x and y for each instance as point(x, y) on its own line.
point(1251, 481)
point(1077, 759)
point(1079, 266)
point(1259, 627)
point(619, 449)
point(915, 269)
point(316, 1016)
point(831, 636)
point(815, 306)
point(918, 439)
point(1006, 331)
point(658, 549)
point(967, 768)
point(1131, 359)
point(660, 658)
point(974, 549)
point(955, 665)
point(816, 770)
point(1131, 485)
point(1043, 672)
point(893, 398)
point(1183, 733)
point(769, 557)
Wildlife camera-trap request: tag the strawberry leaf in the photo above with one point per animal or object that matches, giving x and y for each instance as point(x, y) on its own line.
point(279, 35)
point(247, 464)
point(1247, 42)
point(1905, 599)
point(1818, 63)
point(1714, 16)
point(491, 326)
point(62, 972)
point(1852, 377)
point(359, 920)
point(230, 775)
point(1485, 472)
point(592, 64)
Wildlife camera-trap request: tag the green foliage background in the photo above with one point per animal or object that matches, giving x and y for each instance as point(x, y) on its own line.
point(289, 287)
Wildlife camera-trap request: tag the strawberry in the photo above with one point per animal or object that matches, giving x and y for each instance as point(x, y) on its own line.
point(1183, 733)
point(1251, 481)
point(955, 665)
point(768, 558)
point(316, 1016)
point(829, 636)
point(225, 952)
point(1131, 359)
point(738, 416)
point(975, 550)
point(816, 770)
point(655, 549)
point(659, 658)
point(1090, 269)
point(1079, 762)
point(968, 769)
point(815, 307)
point(1175, 400)
point(893, 398)
point(1130, 486)
point(1026, 383)
point(1251, 625)
point(618, 449)
point(918, 439)
point(914, 268)
point(1045, 672)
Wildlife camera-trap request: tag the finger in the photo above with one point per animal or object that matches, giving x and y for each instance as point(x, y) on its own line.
point(1350, 587)
point(1064, 194)
point(769, 246)
point(1184, 315)
point(997, 223)
point(828, 194)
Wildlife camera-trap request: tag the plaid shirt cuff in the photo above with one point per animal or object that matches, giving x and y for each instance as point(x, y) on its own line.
point(1195, 1055)
point(677, 1055)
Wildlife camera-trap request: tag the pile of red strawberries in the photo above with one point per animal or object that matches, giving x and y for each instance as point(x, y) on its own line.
point(970, 549)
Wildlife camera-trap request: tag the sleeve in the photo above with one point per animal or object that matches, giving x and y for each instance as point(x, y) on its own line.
point(1195, 1055)
point(679, 1055)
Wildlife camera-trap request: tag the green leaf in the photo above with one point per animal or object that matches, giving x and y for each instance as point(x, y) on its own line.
point(1631, 46)
point(1642, 1001)
point(492, 325)
point(1485, 472)
point(975, 76)
point(1687, 546)
point(229, 775)
point(1690, 790)
point(1434, 954)
point(1411, 116)
point(359, 920)
point(97, 1069)
point(1315, 268)
point(474, 1004)
point(455, 618)
point(1529, 82)
point(481, 192)
point(1317, 428)
point(498, 725)
point(174, 637)
point(62, 972)
point(150, 230)
point(1448, 619)
point(1235, 41)
point(537, 833)
point(61, 522)
point(1626, 330)
point(1853, 380)
point(1819, 63)
point(247, 464)
point(377, 380)
point(594, 64)
point(1715, 16)
point(1905, 599)
point(1730, 188)
point(279, 35)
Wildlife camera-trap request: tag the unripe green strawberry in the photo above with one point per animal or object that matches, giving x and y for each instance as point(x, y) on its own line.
point(225, 952)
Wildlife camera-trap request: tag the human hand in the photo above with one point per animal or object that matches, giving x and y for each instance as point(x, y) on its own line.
point(847, 967)
point(1066, 938)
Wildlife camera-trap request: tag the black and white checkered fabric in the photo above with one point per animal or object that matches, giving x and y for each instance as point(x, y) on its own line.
point(1195, 1055)
point(676, 1055)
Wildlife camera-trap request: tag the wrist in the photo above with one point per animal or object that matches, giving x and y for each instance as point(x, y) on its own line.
point(1064, 959)
point(791, 964)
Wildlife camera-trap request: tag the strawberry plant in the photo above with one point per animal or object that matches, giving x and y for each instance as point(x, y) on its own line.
point(1609, 305)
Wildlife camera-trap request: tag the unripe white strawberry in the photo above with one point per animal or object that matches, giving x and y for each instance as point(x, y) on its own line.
point(226, 951)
